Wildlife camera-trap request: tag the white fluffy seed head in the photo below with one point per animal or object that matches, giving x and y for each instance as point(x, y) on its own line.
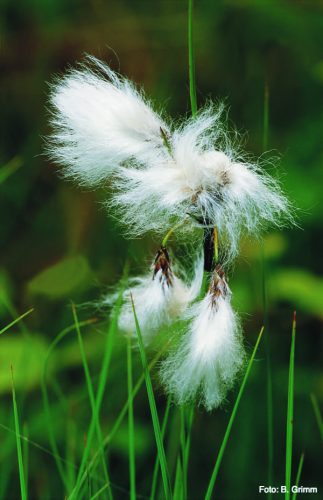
point(157, 300)
point(209, 357)
point(101, 121)
point(105, 128)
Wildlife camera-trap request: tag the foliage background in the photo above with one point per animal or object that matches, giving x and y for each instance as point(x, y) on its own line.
point(58, 245)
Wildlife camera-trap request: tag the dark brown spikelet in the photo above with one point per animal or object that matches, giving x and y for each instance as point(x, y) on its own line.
point(218, 287)
point(162, 262)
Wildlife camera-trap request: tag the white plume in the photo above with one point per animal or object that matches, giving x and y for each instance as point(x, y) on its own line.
point(105, 128)
point(205, 179)
point(159, 298)
point(210, 355)
point(100, 122)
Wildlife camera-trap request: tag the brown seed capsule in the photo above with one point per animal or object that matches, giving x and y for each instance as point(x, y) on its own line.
point(162, 262)
point(218, 287)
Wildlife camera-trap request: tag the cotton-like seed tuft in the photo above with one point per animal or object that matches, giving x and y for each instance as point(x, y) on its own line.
point(210, 354)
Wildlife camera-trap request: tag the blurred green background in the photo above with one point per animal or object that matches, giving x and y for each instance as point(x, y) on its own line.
point(58, 244)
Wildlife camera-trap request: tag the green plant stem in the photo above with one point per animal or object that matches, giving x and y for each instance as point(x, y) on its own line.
point(215, 472)
point(131, 426)
point(290, 413)
point(269, 385)
point(23, 489)
point(191, 59)
point(89, 385)
point(153, 410)
point(59, 461)
point(298, 475)
point(317, 414)
point(156, 467)
point(15, 321)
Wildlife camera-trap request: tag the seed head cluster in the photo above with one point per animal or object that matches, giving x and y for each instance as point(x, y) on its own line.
point(160, 176)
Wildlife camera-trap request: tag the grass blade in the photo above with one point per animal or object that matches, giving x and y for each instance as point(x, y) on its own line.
point(25, 453)
point(131, 426)
point(122, 414)
point(269, 385)
point(15, 321)
point(82, 474)
point(89, 385)
point(298, 475)
point(290, 413)
point(317, 414)
point(23, 489)
point(49, 425)
point(156, 467)
point(187, 415)
point(191, 59)
point(153, 410)
point(209, 492)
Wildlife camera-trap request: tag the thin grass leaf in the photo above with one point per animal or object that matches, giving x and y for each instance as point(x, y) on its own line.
point(269, 385)
point(15, 321)
point(178, 486)
point(101, 388)
point(317, 414)
point(10, 168)
point(290, 413)
point(90, 390)
point(131, 426)
point(52, 440)
point(23, 489)
point(186, 425)
point(156, 467)
point(25, 453)
point(153, 410)
point(214, 475)
point(298, 475)
point(99, 492)
point(191, 59)
point(122, 414)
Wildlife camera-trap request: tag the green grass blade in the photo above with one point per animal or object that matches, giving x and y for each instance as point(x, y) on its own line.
point(156, 467)
point(153, 410)
point(101, 388)
point(10, 168)
point(298, 475)
point(290, 413)
point(269, 385)
point(90, 390)
point(15, 321)
point(23, 488)
point(131, 425)
point(191, 59)
point(122, 414)
point(179, 483)
point(317, 414)
point(210, 488)
point(99, 492)
point(25, 454)
point(95, 427)
point(51, 435)
point(187, 422)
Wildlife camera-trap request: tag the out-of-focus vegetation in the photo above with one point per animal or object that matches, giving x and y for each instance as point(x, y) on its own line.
point(58, 245)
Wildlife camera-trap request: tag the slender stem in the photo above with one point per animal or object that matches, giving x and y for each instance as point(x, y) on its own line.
point(298, 475)
point(215, 472)
point(265, 130)
point(216, 245)
point(171, 231)
point(269, 386)
point(191, 59)
point(290, 414)
point(131, 426)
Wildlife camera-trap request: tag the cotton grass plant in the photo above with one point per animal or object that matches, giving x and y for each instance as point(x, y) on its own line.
point(193, 181)
point(165, 178)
